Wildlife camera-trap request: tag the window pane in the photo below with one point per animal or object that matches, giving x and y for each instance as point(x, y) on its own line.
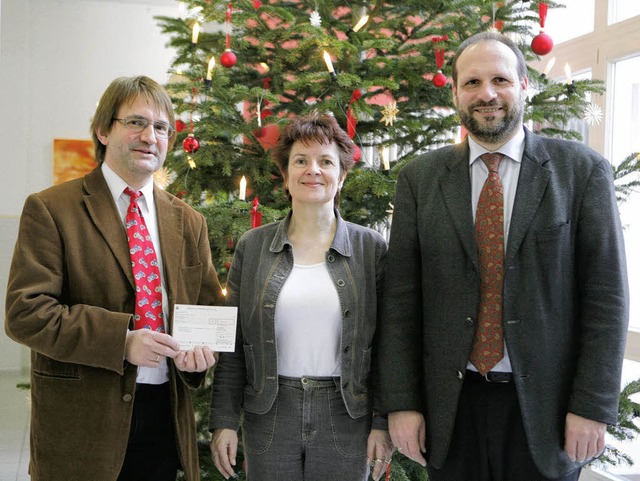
point(630, 372)
point(573, 21)
point(620, 10)
point(624, 89)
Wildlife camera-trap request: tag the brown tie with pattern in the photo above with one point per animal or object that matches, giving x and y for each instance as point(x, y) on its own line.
point(488, 343)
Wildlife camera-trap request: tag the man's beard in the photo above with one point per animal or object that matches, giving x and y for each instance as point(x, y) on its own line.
point(489, 130)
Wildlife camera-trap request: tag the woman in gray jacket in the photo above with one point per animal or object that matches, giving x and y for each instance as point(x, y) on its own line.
point(307, 293)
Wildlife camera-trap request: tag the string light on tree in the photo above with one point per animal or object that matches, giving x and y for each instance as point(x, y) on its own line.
point(548, 67)
point(260, 131)
point(329, 64)
point(569, 79)
point(242, 194)
point(210, 66)
point(384, 159)
point(363, 20)
point(195, 32)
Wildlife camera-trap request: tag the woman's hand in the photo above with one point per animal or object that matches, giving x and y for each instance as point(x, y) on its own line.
point(224, 447)
point(379, 452)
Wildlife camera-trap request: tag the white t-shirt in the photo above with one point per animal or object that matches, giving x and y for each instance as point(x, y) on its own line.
point(308, 323)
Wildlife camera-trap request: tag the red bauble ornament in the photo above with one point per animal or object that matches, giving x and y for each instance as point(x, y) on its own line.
point(180, 125)
point(439, 79)
point(257, 4)
point(260, 132)
point(541, 44)
point(357, 153)
point(190, 144)
point(228, 59)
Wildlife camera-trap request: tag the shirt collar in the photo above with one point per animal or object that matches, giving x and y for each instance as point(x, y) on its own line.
point(514, 149)
point(341, 242)
point(117, 185)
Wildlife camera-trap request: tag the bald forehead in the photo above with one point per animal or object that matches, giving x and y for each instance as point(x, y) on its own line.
point(490, 49)
point(487, 56)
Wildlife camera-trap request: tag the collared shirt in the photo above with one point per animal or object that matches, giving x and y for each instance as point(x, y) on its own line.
point(146, 375)
point(509, 172)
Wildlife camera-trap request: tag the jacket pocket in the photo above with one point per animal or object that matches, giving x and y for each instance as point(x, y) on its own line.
point(250, 363)
point(191, 283)
point(362, 374)
point(47, 367)
point(553, 233)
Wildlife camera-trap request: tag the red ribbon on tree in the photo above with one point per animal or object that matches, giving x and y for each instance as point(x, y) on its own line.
point(190, 144)
point(352, 123)
point(542, 43)
point(543, 8)
point(228, 58)
point(256, 217)
point(439, 79)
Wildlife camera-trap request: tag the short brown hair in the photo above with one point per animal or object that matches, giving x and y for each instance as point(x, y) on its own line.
point(127, 90)
point(314, 127)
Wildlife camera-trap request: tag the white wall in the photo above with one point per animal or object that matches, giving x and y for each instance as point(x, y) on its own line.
point(56, 59)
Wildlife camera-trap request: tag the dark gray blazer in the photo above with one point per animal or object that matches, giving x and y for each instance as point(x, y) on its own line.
point(565, 294)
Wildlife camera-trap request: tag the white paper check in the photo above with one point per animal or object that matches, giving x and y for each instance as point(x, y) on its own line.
point(211, 326)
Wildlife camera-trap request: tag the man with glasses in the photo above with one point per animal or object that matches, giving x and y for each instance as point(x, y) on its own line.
point(98, 266)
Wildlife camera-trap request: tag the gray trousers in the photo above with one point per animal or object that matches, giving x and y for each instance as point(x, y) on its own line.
point(307, 435)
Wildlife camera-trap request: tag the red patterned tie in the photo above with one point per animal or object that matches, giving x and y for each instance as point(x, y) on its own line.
point(488, 343)
point(146, 272)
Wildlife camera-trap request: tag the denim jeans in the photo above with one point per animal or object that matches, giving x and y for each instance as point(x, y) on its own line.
point(306, 436)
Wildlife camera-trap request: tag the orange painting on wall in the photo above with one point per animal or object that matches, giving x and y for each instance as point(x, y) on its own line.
point(72, 159)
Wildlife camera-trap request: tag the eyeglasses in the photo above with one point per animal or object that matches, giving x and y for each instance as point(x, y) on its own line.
point(139, 124)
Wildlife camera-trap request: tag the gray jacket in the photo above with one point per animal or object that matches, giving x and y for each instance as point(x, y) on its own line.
point(565, 294)
point(248, 378)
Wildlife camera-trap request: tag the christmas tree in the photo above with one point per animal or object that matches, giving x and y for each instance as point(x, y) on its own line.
point(382, 68)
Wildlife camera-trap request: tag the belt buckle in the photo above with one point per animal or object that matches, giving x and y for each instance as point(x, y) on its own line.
point(498, 378)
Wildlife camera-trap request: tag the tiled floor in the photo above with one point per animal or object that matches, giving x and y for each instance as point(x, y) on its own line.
point(14, 428)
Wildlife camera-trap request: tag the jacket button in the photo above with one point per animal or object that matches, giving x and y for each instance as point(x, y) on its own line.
point(469, 321)
point(346, 348)
point(340, 283)
point(331, 258)
point(127, 398)
point(459, 374)
point(347, 313)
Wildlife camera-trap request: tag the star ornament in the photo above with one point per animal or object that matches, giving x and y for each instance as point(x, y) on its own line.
point(315, 18)
point(389, 113)
point(163, 177)
point(593, 114)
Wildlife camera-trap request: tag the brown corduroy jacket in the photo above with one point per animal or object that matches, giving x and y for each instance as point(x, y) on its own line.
point(70, 299)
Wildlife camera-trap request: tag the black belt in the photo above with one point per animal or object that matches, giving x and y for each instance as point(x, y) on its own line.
point(491, 376)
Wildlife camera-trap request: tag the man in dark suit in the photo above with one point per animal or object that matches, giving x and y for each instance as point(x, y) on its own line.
point(507, 368)
point(110, 399)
